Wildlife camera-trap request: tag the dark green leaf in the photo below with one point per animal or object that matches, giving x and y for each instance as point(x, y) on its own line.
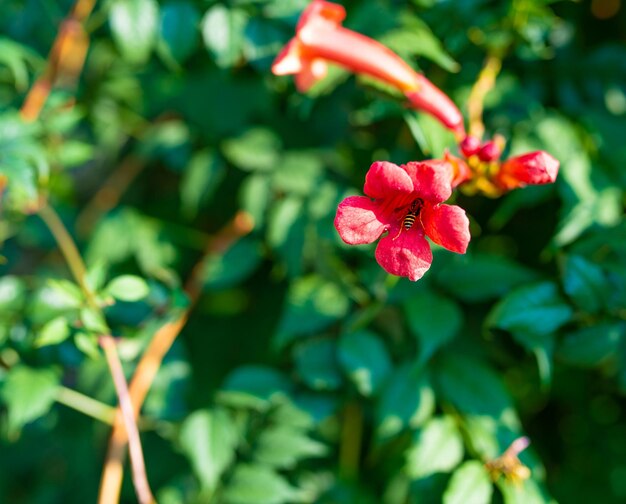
point(433, 319)
point(365, 360)
point(202, 177)
point(236, 264)
point(316, 362)
point(257, 484)
point(178, 34)
point(586, 284)
point(254, 387)
point(590, 346)
point(283, 447)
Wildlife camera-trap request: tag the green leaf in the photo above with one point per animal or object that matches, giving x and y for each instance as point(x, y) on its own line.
point(473, 388)
point(313, 303)
point(254, 197)
point(94, 321)
point(528, 493)
point(178, 33)
point(134, 25)
point(534, 310)
point(437, 447)
point(232, 267)
point(72, 153)
point(316, 362)
point(88, 344)
point(298, 173)
point(470, 484)
point(202, 177)
point(286, 232)
point(365, 359)
point(223, 34)
point(209, 439)
point(128, 288)
point(586, 284)
point(406, 401)
point(432, 137)
point(256, 150)
point(434, 320)
point(254, 387)
point(480, 277)
point(12, 294)
point(54, 332)
point(283, 447)
point(28, 393)
point(590, 346)
point(257, 484)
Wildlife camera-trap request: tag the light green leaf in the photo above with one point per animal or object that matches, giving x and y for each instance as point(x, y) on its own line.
point(257, 484)
point(283, 446)
point(134, 24)
point(94, 321)
point(54, 332)
point(223, 33)
point(12, 294)
point(128, 288)
point(470, 484)
point(256, 150)
point(254, 387)
point(202, 176)
point(437, 447)
point(28, 393)
point(209, 439)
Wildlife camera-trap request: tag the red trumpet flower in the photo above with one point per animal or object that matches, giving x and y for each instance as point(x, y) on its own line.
point(321, 39)
point(537, 167)
point(407, 202)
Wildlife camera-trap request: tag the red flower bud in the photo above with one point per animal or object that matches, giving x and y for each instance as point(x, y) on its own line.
point(490, 151)
point(469, 146)
point(533, 168)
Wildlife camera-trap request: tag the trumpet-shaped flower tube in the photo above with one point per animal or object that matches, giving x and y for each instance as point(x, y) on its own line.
point(405, 201)
point(320, 39)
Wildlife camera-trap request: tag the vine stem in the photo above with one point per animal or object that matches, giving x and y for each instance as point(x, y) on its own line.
point(140, 479)
point(66, 59)
point(69, 250)
point(150, 362)
point(85, 405)
point(476, 101)
point(351, 433)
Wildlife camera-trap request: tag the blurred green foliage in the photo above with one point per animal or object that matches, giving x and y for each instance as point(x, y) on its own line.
point(306, 374)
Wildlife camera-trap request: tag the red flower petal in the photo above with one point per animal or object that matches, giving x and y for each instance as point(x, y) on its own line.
point(357, 220)
point(289, 60)
point(432, 179)
point(446, 225)
point(385, 179)
point(311, 72)
point(319, 10)
point(407, 254)
point(533, 168)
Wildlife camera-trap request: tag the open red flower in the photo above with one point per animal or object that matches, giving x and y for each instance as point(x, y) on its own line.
point(406, 201)
point(320, 39)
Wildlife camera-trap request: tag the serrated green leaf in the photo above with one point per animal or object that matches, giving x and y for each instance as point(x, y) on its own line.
point(470, 484)
point(283, 447)
point(433, 319)
point(128, 288)
point(437, 447)
point(134, 25)
point(28, 393)
point(209, 439)
point(254, 387)
point(54, 332)
point(365, 359)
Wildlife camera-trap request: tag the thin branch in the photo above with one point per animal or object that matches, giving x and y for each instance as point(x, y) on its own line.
point(485, 83)
point(140, 479)
point(65, 61)
point(150, 362)
point(69, 250)
point(86, 405)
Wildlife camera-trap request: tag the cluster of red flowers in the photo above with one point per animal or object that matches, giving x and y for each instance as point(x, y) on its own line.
point(405, 201)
